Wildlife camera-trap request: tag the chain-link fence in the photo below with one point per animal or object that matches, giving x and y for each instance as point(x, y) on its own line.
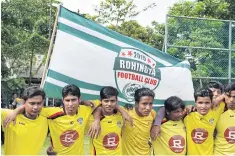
point(208, 44)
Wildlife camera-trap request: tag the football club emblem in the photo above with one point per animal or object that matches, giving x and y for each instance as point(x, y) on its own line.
point(211, 121)
point(119, 123)
point(80, 121)
point(135, 69)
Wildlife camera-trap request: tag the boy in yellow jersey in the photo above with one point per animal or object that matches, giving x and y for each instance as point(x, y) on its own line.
point(173, 135)
point(109, 140)
point(67, 124)
point(135, 139)
point(217, 89)
point(200, 125)
point(27, 136)
point(225, 128)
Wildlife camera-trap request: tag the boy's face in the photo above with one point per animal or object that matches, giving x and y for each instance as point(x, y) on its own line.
point(203, 105)
point(71, 104)
point(176, 115)
point(230, 100)
point(109, 104)
point(33, 106)
point(216, 92)
point(144, 106)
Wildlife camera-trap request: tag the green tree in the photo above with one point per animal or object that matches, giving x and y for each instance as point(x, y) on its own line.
point(152, 35)
point(221, 9)
point(25, 31)
point(115, 12)
point(116, 15)
point(201, 33)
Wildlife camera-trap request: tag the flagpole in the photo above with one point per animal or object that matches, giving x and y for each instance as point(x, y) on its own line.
point(50, 49)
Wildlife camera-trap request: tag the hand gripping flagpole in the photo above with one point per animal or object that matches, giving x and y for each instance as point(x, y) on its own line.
point(50, 48)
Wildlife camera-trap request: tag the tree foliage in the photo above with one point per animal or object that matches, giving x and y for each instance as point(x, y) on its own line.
point(25, 29)
point(201, 33)
point(115, 12)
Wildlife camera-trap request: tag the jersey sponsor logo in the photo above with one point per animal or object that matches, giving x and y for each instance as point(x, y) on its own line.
point(80, 121)
point(177, 143)
point(111, 141)
point(68, 137)
point(229, 135)
point(21, 123)
point(199, 135)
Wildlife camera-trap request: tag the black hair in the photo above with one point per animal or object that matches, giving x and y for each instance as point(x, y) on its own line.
point(71, 90)
point(33, 91)
point(143, 92)
point(230, 87)
point(203, 92)
point(107, 92)
point(216, 85)
point(173, 103)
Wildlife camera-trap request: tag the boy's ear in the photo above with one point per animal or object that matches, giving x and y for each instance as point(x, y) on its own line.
point(79, 99)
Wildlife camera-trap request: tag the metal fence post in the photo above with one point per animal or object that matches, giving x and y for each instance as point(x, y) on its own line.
point(230, 53)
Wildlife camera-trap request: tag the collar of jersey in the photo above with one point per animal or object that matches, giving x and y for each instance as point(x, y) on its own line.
point(164, 120)
point(231, 112)
point(206, 117)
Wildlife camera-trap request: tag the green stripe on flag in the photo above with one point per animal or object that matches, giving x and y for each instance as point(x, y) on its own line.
point(54, 91)
point(89, 38)
point(73, 17)
point(70, 80)
point(103, 43)
point(183, 65)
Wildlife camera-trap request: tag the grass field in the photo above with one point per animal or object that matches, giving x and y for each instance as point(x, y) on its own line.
point(47, 144)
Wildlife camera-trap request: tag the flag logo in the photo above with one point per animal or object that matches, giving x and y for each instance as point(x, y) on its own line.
point(134, 69)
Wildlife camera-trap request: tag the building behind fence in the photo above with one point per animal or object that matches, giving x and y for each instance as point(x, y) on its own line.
point(208, 44)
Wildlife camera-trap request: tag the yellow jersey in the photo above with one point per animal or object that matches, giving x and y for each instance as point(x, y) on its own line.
point(135, 139)
point(109, 142)
point(67, 132)
point(225, 137)
point(200, 130)
point(26, 137)
point(172, 140)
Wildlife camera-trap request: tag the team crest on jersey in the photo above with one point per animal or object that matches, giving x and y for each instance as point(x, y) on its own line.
point(119, 123)
point(134, 69)
point(80, 121)
point(177, 143)
point(229, 135)
point(199, 135)
point(211, 120)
